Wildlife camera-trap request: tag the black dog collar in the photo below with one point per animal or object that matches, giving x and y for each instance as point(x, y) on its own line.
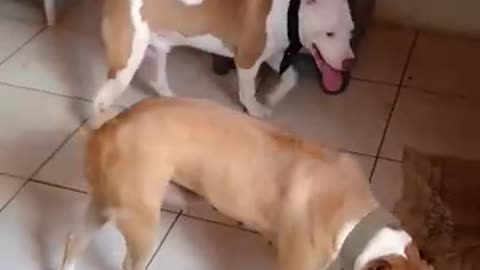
point(293, 36)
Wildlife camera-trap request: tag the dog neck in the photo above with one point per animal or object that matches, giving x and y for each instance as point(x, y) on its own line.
point(293, 36)
point(374, 236)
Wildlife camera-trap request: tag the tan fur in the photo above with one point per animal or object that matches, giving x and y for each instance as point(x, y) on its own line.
point(297, 193)
point(245, 34)
point(117, 33)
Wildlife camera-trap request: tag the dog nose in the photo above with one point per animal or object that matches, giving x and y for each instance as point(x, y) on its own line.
point(348, 63)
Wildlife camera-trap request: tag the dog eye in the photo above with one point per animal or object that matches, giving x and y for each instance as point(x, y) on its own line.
point(330, 34)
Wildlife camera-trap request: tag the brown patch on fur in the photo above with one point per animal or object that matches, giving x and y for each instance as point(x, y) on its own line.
point(117, 34)
point(298, 145)
point(239, 24)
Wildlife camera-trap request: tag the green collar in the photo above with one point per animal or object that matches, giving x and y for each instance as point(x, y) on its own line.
point(362, 233)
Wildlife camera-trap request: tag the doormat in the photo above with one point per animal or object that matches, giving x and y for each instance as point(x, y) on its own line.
point(440, 208)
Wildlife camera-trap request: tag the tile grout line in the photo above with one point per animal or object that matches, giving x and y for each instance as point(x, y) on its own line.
point(42, 29)
point(55, 151)
point(373, 81)
point(41, 182)
point(395, 102)
point(47, 92)
point(80, 191)
point(12, 175)
point(63, 143)
point(218, 223)
point(356, 153)
point(440, 94)
point(177, 217)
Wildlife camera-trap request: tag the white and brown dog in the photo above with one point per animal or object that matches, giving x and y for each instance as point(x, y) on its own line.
point(250, 31)
point(315, 204)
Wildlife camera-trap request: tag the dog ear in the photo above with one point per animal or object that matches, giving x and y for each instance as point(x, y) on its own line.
point(415, 254)
point(412, 251)
point(379, 264)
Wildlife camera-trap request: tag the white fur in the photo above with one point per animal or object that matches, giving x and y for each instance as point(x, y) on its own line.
point(207, 42)
point(161, 81)
point(315, 20)
point(288, 80)
point(386, 242)
point(192, 2)
point(343, 233)
point(141, 38)
point(69, 267)
point(322, 17)
point(246, 83)
point(163, 42)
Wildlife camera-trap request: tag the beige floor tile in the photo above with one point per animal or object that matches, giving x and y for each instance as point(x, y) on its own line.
point(365, 162)
point(73, 64)
point(27, 11)
point(14, 34)
point(445, 65)
point(66, 167)
point(33, 125)
point(194, 244)
point(9, 186)
point(433, 124)
point(387, 182)
point(35, 225)
point(383, 54)
point(83, 17)
point(353, 120)
point(57, 61)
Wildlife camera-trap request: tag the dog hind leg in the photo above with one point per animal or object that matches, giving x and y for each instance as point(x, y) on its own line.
point(139, 230)
point(140, 210)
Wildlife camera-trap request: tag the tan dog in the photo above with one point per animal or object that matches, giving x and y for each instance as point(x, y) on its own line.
point(250, 31)
point(314, 203)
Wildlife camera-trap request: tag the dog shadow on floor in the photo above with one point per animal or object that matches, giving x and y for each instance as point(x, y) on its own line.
point(41, 216)
point(195, 244)
point(55, 213)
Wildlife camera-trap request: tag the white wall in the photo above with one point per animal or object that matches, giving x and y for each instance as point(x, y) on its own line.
point(457, 16)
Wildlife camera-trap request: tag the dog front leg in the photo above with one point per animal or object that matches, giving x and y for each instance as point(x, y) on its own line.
point(247, 90)
point(288, 80)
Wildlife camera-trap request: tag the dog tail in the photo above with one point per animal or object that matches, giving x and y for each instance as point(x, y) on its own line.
point(97, 121)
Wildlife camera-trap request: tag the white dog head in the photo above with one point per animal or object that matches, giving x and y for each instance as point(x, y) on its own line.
point(325, 28)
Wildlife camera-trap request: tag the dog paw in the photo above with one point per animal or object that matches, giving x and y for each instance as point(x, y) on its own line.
point(102, 102)
point(161, 90)
point(271, 100)
point(192, 2)
point(259, 110)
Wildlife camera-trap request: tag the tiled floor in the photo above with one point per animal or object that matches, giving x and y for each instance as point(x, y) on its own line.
point(410, 88)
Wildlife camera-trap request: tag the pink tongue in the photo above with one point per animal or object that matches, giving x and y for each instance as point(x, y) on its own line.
point(332, 78)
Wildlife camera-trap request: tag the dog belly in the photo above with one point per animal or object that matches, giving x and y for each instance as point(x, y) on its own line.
point(225, 197)
point(207, 42)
